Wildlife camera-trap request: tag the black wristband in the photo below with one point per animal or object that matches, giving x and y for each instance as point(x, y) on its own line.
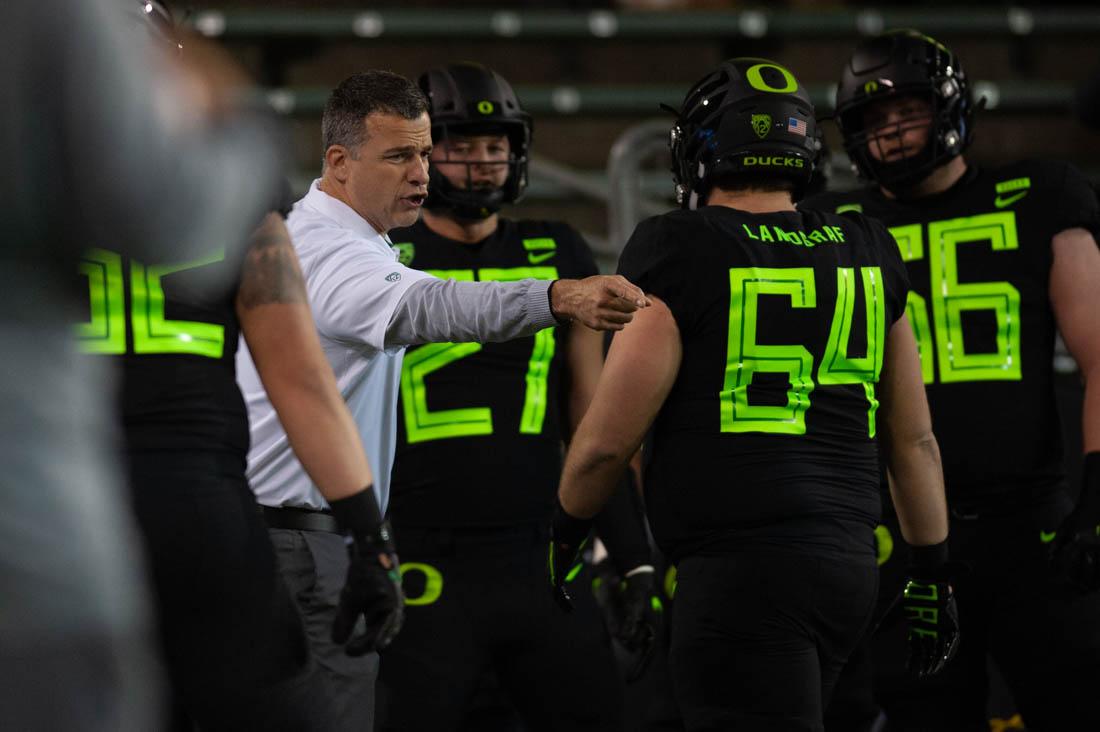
point(567, 529)
point(358, 513)
point(929, 558)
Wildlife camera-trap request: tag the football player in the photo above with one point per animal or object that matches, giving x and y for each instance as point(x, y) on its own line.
point(479, 449)
point(999, 259)
point(774, 357)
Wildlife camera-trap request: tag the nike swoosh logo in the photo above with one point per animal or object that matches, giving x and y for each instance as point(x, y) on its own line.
point(1047, 536)
point(539, 258)
point(1002, 202)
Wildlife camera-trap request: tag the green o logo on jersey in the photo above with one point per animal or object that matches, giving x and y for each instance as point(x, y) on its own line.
point(884, 544)
point(433, 583)
point(485, 106)
point(756, 79)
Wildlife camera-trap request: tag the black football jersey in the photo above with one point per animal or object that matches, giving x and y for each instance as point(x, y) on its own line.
point(480, 427)
point(768, 433)
point(175, 337)
point(979, 261)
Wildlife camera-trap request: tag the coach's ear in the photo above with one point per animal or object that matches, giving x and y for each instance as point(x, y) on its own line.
point(336, 162)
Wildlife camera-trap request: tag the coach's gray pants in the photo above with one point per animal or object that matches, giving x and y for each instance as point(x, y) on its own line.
point(314, 565)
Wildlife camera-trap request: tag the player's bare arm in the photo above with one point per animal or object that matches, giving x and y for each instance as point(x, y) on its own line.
point(278, 327)
point(1075, 299)
point(913, 455)
point(584, 356)
point(640, 370)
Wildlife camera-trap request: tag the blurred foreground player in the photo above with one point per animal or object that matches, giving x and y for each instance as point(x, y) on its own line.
point(96, 147)
point(998, 260)
point(775, 353)
point(235, 651)
point(479, 448)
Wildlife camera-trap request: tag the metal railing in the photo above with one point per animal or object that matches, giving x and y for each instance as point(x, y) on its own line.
point(570, 100)
point(480, 24)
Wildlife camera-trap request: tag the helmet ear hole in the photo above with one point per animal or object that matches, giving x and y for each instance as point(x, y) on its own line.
point(951, 141)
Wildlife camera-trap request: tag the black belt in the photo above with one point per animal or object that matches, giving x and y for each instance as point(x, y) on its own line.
point(300, 519)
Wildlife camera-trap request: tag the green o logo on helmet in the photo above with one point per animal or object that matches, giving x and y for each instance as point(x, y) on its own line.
point(485, 106)
point(755, 78)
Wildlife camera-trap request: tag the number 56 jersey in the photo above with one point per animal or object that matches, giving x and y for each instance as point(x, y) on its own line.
point(768, 433)
point(979, 260)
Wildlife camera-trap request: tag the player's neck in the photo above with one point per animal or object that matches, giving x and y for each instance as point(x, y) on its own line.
point(467, 231)
point(752, 201)
point(938, 181)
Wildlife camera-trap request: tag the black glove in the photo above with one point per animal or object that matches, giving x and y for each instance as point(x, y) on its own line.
point(568, 535)
point(932, 618)
point(1075, 550)
point(373, 587)
point(634, 613)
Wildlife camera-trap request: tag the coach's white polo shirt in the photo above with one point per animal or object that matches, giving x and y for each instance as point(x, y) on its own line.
point(367, 308)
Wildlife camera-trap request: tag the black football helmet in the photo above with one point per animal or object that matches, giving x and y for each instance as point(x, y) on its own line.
point(904, 63)
point(471, 99)
point(749, 117)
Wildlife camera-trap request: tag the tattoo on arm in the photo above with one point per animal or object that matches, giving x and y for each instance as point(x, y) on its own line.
point(271, 273)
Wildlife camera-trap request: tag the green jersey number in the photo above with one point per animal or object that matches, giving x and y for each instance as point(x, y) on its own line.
point(745, 357)
point(422, 424)
point(951, 298)
point(105, 331)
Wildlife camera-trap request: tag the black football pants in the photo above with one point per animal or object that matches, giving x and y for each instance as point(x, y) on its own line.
point(232, 640)
point(1043, 636)
point(759, 636)
point(480, 599)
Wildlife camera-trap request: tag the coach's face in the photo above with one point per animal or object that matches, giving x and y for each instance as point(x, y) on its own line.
point(386, 177)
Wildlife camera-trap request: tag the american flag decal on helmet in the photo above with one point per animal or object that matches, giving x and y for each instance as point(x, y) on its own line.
point(796, 126)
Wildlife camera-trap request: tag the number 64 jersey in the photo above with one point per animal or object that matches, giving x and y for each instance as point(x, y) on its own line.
point(979, 260)
point(768, 433)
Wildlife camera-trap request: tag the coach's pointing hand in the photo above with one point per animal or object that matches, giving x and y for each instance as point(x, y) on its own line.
point(602, 302)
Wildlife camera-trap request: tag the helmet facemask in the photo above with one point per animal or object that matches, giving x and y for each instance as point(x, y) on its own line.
point(478, 194)
point(468, 100)
point(900, 66)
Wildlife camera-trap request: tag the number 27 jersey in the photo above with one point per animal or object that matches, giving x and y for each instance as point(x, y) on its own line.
point(480, 426)
point(768, 431)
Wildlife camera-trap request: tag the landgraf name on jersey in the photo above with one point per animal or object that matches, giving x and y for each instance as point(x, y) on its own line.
point(823, 235)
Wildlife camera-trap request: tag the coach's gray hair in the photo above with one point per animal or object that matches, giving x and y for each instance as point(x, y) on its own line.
point(366, 93)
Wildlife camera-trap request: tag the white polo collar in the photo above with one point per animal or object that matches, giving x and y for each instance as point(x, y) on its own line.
point(324, 204)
